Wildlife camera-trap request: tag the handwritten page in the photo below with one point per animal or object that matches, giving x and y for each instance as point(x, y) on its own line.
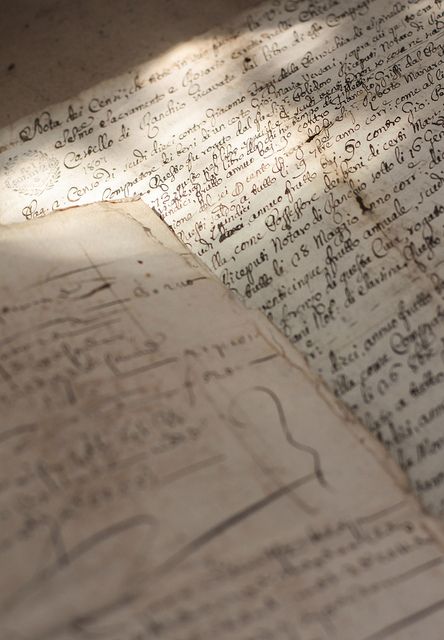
point(299, 153)
point(169, 468)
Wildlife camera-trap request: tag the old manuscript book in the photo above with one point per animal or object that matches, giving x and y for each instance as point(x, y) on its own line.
point(169, 466)
point(298, 153)
point(177, 466)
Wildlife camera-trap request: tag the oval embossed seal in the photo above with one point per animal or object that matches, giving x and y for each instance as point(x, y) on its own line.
point(32, 173)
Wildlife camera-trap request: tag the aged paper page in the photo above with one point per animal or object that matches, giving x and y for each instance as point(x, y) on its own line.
point(168, 470)
point(299, 154)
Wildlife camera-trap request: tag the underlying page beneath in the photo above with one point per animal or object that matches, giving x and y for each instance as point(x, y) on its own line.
point(169, 469)
point(299, 153)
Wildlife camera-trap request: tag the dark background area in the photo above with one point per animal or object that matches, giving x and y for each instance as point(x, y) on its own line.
point(51, 50)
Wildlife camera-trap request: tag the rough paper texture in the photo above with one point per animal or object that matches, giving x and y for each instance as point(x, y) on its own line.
point(169, 470)
point(299, 154)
